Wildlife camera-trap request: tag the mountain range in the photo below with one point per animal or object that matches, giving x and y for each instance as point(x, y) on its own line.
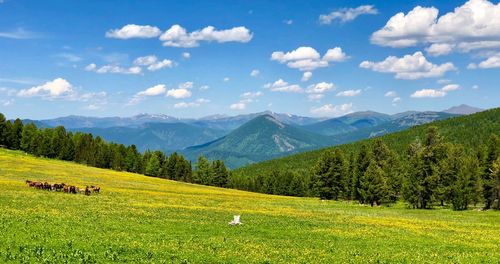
point(249, 138)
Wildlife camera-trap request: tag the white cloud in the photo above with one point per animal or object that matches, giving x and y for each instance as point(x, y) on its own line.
point(196, 103)
point(254, 73)
point(491, 62)
point(113, 69)
point(435, 92)
point(134, 31)
point(146, 60)
point(160, 65)
point(6, 103)
point(307, 58)
point(156, 90)
point(238, 106)
point(282, 86)
point(321, 87)
point(204, 87)
point(251, 95)
point(226, 79)
point(349, 93)
point(306, 76)
point(331, 110)
point(52, 89)
point(474, 25)
point(475, 87)
point(177, 36)
point(391, 94)
point(428, 93)
point(179, 93)
point(409, 67)
point(450, 87)
point(288, 22)
point(186, 85)
point(347, 14)
point(153, 91)
point(186, 55)
point(443, 81)
point(396, 100)
point(19, 33)
point(336, 55)
point(153, 63)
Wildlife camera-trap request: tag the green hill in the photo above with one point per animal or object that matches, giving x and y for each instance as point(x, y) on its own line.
point(262, 138)
point(471, 131)
point(139, 219)
point(166, 137)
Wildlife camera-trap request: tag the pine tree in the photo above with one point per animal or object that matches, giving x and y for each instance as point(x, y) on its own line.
point(220, 173)
point(362, 162)
point(57, 141)
point(373, 185)
point(466, 188)
point(3, 130)
point(203, 172)
point(495, 183)
point(16, 134)
point(154, 165)
point(330, 175)
point(488, 182)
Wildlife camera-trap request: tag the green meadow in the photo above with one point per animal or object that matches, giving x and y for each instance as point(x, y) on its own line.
point(141, 219)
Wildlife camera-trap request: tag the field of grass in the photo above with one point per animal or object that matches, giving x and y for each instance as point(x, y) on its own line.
point(142, 219)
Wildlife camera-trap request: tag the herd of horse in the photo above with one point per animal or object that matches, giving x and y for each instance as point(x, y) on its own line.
point(58, 187)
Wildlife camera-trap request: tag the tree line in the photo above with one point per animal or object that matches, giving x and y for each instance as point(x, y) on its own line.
point(431, 172)
point(84, 148)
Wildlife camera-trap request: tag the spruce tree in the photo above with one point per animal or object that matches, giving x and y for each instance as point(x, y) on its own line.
point(362, 162)
point(373, 185)
point(203, 172)
point(488, 182)
point(16, 134)
point(466, 187)
point(153, 166)
point(220, 173)
point(3, 130)
point(330, 172)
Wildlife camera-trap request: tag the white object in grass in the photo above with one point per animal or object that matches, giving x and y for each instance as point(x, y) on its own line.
point(236, 220)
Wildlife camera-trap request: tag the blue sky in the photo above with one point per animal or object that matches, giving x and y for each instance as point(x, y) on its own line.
point(196, 58)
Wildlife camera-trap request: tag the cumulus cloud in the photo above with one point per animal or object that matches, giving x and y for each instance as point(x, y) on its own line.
point(177, 36)
point(491, 62)
point(186, 55)
point(196, 103)
point(349, 93)
point(307, 58)
point(282, 86)
point(113, 69)
point(179, 93)
point(409, 67)
point(306, 76)
point(331, 110)
point(61, 89)
point(251, 95)
point(226, 79)
point(156, 90)
point(134, 31)
point(52, 89)
point(432, 93)
point(347, 14)
point(321, 87)
point(238, 106)
point(472, 26)
point(396, 100)
point(428, 93)
point(153, 63)
point(204, 87)
point(391, 94)
point(254, 73)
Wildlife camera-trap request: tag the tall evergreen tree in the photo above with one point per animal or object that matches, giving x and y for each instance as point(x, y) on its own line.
point(466, 188)
point(488, 182)
point(203, 173)
point(373, 185)
point(330, 175)
point(362, 162)
point(16, 134)
point(153, 166)
point(220, 173)
point(3, 130)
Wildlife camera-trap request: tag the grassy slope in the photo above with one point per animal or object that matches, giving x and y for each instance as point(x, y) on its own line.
point(141, 219)
point(471, 131)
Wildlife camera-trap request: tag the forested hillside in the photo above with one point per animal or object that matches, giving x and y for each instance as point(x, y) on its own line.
point(453, 162)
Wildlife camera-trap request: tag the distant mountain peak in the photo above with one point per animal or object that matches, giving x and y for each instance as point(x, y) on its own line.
point(463, 109)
